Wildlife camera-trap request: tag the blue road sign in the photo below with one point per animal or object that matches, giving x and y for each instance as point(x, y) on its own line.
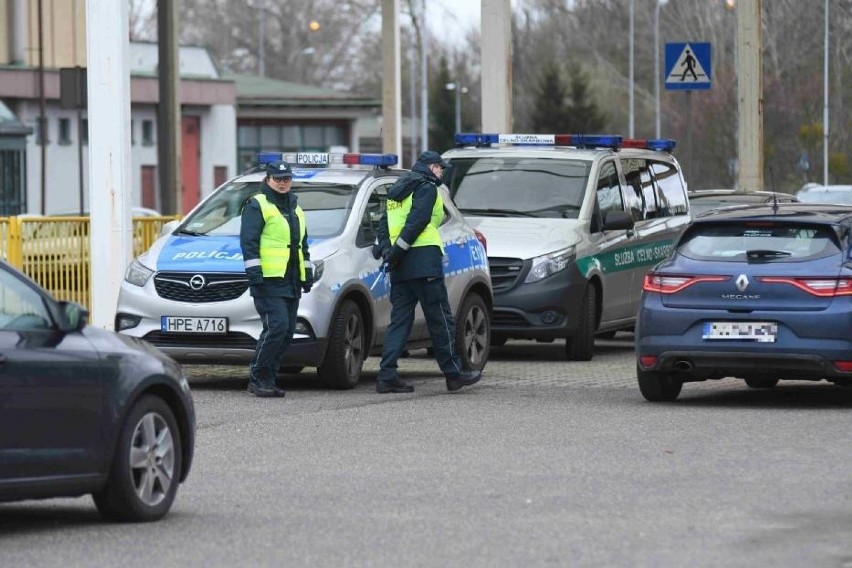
point(688, 66)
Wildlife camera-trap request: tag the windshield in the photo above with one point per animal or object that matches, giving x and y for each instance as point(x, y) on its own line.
point(513, 186)
point(326, 207)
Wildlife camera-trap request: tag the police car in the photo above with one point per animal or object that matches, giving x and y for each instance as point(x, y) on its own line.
point(573, 223)
point(188, 294)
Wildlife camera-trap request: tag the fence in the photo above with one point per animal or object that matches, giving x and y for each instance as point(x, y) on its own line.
point(56, 251)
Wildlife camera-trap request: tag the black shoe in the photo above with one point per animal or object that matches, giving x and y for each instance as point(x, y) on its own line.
point(455, 382)
point(267, 392)
point(393, 385)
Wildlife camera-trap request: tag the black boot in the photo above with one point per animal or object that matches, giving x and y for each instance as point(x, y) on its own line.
point(457, 381)
point(392, 385)
point(265, 391)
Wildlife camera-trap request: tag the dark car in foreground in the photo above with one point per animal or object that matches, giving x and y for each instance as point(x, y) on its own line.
point(87, 411)
point(759, 293)
point(702, 200)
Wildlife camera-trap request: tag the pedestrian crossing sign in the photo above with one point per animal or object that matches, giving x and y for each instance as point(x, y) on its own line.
point(688, 66)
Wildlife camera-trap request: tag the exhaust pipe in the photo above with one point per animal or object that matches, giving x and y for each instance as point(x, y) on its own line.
point(683, 366)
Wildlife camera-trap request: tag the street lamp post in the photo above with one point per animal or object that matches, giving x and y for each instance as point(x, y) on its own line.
point(630, 122)
point(459, 91)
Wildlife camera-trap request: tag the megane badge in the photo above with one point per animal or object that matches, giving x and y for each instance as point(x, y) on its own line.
point(742, 282)
point(197, 282)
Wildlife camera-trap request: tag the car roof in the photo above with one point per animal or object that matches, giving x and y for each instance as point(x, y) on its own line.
point(532, 151)
point(351, 176)
point(804, 212)
point(737, 192)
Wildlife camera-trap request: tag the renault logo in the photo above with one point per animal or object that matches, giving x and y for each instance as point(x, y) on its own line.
point(742, 282)
point(197, 282)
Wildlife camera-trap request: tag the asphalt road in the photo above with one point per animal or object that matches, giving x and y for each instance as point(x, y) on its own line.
point(545, 463)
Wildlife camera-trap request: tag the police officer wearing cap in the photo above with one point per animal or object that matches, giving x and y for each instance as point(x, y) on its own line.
point(411, 246)
point(274, 241)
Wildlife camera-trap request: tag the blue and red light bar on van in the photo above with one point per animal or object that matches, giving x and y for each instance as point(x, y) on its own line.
point(577, 140)
point(328, 159)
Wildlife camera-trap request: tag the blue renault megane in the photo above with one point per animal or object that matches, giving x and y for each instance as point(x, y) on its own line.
point(761, 293)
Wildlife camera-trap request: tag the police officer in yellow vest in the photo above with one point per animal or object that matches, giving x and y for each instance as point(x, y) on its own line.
point(274, 241)
point(411, 246)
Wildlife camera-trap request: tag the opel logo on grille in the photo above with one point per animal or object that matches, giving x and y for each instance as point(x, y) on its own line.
point(742, 282)
point(197, 282)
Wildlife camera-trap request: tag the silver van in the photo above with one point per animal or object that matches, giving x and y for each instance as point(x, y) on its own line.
point(573, 224)
point(188, 294)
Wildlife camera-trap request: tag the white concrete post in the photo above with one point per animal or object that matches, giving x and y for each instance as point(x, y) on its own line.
point(109, 153)
point(496, 48)
point(749, 95)
point(391, 81)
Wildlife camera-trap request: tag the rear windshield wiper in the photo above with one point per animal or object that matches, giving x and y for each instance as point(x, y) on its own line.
point(765, 253)
point(499, 212)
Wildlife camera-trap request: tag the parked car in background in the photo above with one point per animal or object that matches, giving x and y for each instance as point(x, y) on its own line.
point(760, 293)
point(85, 410)
point(188, 294)
point(573, 222)
point(706, 199)
point(840, 194)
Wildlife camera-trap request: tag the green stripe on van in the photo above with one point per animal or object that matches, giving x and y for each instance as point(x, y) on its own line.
point(626, 258)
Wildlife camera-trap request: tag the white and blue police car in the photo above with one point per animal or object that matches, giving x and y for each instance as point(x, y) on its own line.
point(188, 294)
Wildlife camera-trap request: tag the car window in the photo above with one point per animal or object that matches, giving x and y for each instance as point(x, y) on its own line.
point(758, 242)
point(609, 190)
point(671, 194)
point(638, 186)
point(533, 187)
point(375, 207)
point(21, 307)
point(326, 207)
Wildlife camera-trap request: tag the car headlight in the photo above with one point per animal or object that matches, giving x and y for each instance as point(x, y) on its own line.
point(545, 265)
point(138, 274)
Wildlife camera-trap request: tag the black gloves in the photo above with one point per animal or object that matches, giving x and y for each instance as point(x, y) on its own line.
point(394, 257)
point(309, 280)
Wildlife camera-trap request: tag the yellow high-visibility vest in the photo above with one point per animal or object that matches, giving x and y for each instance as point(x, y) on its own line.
point(398, 212)
point(275, 240)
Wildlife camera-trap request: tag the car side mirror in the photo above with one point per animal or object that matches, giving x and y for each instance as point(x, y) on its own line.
point(75, 317)
point(169, 227)
point(618, 220)
point(366, 236)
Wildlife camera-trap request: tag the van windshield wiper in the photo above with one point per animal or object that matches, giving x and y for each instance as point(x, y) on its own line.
point(188, 232)
point(499, 212)
point(765, 253)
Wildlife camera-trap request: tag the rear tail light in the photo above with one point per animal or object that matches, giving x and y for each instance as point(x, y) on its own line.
point(670, 284)
point(482, 240)
point(843, 366)
point(648, 360)
point(823, 287)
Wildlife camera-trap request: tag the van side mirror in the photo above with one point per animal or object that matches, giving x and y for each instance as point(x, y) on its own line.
point(167, 228)
point(74, 316)
point(618, 220)
point(366, 236)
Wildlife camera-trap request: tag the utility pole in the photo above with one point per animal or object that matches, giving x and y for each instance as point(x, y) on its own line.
point(391, 84)
point(825, 123)
point(168, 112)
point(424, 87)
point(496, 49)
point(749, 96)
point(631, 120)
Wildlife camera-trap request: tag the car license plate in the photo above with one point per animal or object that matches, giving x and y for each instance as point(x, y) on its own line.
point(760, 331)
point(184, 324)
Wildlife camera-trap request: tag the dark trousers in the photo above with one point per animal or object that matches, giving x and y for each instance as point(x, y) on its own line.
point(278, 316)
point(432, 295)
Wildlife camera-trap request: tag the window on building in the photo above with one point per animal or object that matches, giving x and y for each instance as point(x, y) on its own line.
point(132, 132)
point(84, 131)
point(12, 195)
point(64, 131)
point(41, 131)
point(147, 132)
point(252, 138)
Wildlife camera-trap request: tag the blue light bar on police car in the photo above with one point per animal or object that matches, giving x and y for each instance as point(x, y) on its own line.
point(328, 159)
point(660, 144)
point(577, 140)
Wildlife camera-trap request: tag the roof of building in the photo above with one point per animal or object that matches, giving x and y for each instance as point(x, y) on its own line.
point(193, 61)
point(265, 91)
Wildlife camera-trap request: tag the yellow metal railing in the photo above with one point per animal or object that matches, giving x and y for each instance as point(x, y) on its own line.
point(55, 251)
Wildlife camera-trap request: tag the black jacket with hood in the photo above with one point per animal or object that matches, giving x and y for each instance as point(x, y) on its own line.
point(418, 262)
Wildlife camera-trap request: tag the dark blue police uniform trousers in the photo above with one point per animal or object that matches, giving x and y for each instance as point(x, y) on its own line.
point(278, 315)
point(432, 295)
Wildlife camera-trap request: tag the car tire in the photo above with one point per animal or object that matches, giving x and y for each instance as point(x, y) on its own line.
point(344, 359)
point(473, 333)
point(146, 467)
point(761, 382)
point(581, 347)
point(657, 386)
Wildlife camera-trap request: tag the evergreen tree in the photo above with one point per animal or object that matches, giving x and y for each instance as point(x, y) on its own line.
point(583, 114)
point(549, 97)
point(442, 110)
